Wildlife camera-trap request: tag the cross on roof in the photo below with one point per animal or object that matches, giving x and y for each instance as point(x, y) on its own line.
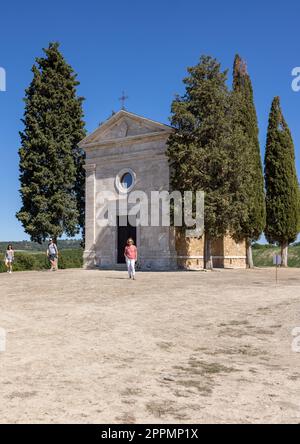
point(123, 99)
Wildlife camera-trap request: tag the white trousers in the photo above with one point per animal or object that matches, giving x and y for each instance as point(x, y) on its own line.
point(131, 267)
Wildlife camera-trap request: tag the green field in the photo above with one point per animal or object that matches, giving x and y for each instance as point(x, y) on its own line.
point(263, 255)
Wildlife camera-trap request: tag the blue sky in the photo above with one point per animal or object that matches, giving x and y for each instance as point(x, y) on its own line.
point(143, 47)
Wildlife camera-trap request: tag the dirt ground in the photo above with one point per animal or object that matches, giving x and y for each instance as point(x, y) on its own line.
point(185, 347)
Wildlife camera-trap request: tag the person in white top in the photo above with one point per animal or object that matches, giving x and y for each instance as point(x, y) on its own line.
point(9, 258)
point(52, 254)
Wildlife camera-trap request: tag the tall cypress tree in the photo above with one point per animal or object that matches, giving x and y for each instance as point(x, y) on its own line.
point(252, 221)
point(281, 183)
point(200, 150)
point(51, 164)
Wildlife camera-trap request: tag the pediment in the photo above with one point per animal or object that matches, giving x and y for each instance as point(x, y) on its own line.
point(122, 125)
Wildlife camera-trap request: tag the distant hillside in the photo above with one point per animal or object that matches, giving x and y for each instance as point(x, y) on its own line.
point(263, 255)
point(32, 246)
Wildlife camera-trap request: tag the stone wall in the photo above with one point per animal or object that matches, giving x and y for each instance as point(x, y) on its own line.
point(226, 252)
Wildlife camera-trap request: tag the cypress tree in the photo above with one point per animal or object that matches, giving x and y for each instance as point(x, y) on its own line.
point(51, 164)
point(282, 188)
point(200, 149)
point(250, 223)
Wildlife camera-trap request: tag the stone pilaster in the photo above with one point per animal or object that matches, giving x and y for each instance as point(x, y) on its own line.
point(90, 216)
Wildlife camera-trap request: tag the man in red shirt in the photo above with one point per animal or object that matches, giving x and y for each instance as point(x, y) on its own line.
point(131, 257)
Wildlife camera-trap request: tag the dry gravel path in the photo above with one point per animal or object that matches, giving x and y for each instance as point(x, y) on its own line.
point(92, 346)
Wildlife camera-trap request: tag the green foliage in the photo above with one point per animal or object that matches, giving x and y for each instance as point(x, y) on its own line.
point(51, 164)
point(39, 261)
point(251, 215)
point(201, 149)
point(263, 256)
point(71, 259)
point(281, 180)
point(262, 246)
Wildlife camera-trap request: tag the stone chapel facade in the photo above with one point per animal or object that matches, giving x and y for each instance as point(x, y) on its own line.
point(127, 153)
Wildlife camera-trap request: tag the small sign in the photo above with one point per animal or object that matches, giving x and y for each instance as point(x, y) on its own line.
point(277, 260)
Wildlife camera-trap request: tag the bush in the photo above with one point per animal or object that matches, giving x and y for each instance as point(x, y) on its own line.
point(39, 261)
point(2, 266)
point(262, 246)
point(24, 262)
point(70, 259)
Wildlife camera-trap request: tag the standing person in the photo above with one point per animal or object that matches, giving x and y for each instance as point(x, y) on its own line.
point(9, 258)
point(131, 257)
point(52, 254)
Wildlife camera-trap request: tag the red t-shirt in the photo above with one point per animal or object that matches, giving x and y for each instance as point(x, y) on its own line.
point(131, 251)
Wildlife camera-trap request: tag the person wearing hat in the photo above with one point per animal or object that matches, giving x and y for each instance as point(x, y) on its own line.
point(52, 253)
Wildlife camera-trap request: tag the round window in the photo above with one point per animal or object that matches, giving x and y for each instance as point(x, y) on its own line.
point(126, 180)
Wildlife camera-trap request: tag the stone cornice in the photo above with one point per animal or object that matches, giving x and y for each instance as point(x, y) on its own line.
point(90, 168)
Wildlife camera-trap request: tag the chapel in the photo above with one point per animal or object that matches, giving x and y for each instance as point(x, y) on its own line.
point(126, 153)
